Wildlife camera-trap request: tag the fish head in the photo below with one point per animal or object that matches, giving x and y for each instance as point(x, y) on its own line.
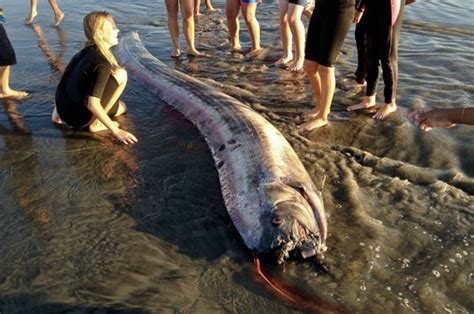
point(296, 229)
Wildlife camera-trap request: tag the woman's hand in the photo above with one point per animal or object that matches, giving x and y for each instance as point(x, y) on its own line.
point(125, 137)
point(429, 119)
point(357, 16)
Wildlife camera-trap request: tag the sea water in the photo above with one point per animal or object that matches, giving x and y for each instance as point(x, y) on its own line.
point(89, 224)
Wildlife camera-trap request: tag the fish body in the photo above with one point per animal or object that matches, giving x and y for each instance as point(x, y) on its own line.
point(268, 194)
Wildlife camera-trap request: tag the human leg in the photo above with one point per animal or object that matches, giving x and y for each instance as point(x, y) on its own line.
point(389, 61)
point(248, 13)
point(285, 34)
point(209, 6)
point(232, 8)
point(59, 15)
point(297, 31)
point(110, 100)
point(373, 59)
point(188, 26)
point(360, 37)
point(33, 12)
point(173, 28)
point(197, 5)
point(311, 70)
point(328, 84)
point(5, 90)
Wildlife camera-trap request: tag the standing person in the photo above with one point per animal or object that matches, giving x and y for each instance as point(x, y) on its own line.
point(7, 59)
point(384, 21)
point(187, 11)
point(58, 14)
point(291, 26)
point(249, 8)
point(197, 4)
point(360, 37)
point(327, 30)
point(88, 94)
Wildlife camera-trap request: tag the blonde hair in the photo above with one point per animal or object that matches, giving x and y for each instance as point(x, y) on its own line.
point(93, 24)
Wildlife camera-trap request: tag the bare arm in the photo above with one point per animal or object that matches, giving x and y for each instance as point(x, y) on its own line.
point(93, 104)
point(442, 118)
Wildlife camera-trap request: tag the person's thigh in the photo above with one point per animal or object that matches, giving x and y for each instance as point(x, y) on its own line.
point(172, 7)
point(232, 8)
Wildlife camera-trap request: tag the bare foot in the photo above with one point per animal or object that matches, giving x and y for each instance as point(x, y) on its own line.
point(30, 18)
point(296, 65)
point(176, 53)
point(211, 9)
point(59, 17)
point(98, 126)
point(368, 102)
point(55, 117)
point(313, 124)
point(385, 111)
point(194, 53)
point(283, 60)
point(14, 94)
point(253, 53)
point(355, 84)
point(236, 49)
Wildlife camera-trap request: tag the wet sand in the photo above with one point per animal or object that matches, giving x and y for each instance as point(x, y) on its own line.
point(89, 224)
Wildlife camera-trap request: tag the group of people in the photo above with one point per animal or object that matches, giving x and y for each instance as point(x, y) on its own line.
point(88, 95)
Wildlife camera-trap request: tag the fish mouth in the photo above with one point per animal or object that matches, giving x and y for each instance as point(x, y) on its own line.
point(295, 237)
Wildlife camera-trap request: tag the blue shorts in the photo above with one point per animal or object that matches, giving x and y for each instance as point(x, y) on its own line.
point(246, 2)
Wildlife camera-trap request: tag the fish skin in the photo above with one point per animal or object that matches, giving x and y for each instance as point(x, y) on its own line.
point(249, 152)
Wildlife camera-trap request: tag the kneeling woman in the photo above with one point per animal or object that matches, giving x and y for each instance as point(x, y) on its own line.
point(88, 93)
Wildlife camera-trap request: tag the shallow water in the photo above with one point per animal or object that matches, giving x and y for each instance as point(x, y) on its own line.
point(86, 223)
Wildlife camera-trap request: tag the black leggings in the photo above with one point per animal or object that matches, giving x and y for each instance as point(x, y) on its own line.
point(382, 47)
point(360, 37)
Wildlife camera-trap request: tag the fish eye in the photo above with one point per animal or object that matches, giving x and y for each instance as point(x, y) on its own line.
point(276, 221)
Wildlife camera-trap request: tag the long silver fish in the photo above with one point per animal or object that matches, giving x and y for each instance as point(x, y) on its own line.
point(269, 195)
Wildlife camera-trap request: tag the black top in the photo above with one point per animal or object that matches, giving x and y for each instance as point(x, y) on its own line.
point(86, 75)
point(7, 54)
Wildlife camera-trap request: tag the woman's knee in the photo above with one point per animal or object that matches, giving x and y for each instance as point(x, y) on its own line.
point(310, 67)
point(284, 19)
point(325, 70)
point(232, 8)
point(231, 13)
point(122, 109)
point(248, 17)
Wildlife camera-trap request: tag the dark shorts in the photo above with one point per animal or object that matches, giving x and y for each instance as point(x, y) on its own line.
point(299, 2)
point(327, 30)
point(7, 54)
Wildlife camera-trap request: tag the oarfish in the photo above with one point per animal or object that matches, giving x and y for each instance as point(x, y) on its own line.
point(269, 195)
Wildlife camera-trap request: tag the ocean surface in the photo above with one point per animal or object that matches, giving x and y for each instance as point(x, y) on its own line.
point(89, 225)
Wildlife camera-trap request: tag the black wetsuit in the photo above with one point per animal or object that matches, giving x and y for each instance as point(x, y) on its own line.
point(327, 30)
point(88, 74)
point(383, 24)
point(7, 54)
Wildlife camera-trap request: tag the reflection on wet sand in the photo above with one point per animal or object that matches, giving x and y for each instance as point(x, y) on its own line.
point(19, 146)
point(55, 59)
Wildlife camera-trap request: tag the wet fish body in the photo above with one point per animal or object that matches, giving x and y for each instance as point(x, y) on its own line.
point(269, 195)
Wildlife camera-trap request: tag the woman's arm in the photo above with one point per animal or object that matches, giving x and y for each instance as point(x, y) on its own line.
point(442, 118)
point(358, 11)
point(95, 107)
